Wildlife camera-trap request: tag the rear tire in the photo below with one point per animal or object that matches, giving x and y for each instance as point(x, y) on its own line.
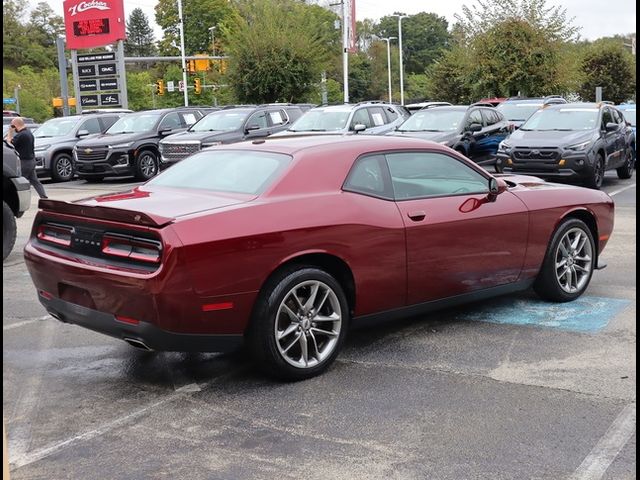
point(626, 171)
point(568, 264)
point(9, 230)
point(295, 333)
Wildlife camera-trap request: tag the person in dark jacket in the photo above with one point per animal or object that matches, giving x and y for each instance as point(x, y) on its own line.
point(22, 139)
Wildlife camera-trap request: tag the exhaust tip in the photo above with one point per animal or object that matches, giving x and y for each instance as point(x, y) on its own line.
point(57, 316)
point(138, 344)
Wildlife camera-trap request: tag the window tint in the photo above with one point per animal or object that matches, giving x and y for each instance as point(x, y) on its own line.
point(430, 174)
point(378, 116)
point(92, 126)
point(391, 114)
point(258, 118)
point(368, 177)
point(107, 121)
point(474, 117)
point(361, 116)
point(172, 120)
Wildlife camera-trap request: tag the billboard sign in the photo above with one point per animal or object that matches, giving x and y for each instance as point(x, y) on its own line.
point(93, 23)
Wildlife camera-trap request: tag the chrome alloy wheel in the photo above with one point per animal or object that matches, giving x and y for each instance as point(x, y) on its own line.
point(308, 324)
point(64, 167)
point(148, 165)
point(573, 260)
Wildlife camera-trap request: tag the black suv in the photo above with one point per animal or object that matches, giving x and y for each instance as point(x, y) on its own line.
point(575, 141)
point(475, 131)
point(229, 125)
point(130, 146)
point(518, 109)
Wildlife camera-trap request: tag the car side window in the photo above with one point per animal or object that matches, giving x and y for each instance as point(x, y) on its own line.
point(92, 125)
point(107, 121)
point(361, 117)
point(171, 121)
point(606, 117)
point(431, 174)
point(378, 116)
point(189, 118)
point(489, 117)
point(391, 114)
point(259, 119)
point(474, 117)
point(369, 177)
point(277, 117)
point(617, 116)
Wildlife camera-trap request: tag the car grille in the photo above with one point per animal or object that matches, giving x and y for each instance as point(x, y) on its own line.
point(179, 151)
point(92, 154)
point(548, 154)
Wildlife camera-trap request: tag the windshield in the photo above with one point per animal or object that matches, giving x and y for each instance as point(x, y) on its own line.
point(56, 127)
point(518, 112)
point(321, 120)
point(240, 171)
point(630, 116)
point(135, 123)
point(563, 119)
point(433, 120)
point(224, 121)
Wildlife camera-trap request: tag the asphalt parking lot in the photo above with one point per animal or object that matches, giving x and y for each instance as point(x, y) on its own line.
point(510, 388)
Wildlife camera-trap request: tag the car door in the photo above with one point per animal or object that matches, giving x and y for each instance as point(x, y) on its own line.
point(171, 123)
point(379, 120)
point(474, 139)
point(257, 125)
point(361, 117)
point(496, 129)
point(621, 139)
point(278, 120)
point(458, 238)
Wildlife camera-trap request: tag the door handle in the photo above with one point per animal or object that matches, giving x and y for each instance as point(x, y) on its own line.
point(417, 216)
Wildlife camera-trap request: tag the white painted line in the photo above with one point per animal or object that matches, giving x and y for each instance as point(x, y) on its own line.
point(620, 190)
point(607, 449)
point(11, 326)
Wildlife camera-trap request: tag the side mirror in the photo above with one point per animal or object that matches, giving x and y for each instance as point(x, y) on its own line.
point(359, 127)
point(611, 127)
point(252, 127)
point(474, 127)
point(82, 133)
point(496, 187)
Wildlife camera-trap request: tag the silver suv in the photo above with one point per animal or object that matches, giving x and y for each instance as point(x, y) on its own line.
point(56, 138)
point(373, 118)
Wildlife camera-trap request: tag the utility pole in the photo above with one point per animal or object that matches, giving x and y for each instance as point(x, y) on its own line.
point(400, 17)
point(62, 67)
point(184, 63)
point(16, 94)
point(345, 51)
point(388, 40)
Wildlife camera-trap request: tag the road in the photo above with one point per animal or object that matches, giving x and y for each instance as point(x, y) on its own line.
point(504, 389)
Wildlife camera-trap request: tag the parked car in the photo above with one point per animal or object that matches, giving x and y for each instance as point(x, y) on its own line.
point(6, 120)
point(373, 118)
point(414, 107)
point(30, 126)
point(474, 131)
point(89, 111)
point(272, 242)
point(16, 197)
point(629, 112)
point(229, 125)
point(130, 146)
point(574, 141)
point(55, 139)
point(517, 109)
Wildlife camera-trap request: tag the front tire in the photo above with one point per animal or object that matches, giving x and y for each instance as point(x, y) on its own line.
point(568, 264)
point(62, 169)
point(146, 165)
point(597, 176)
point(9, 230)
point(299, 323)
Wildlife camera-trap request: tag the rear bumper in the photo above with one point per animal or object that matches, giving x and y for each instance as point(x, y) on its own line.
point(142, 334)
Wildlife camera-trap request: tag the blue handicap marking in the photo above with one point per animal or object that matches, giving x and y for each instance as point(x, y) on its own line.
point(586, 314)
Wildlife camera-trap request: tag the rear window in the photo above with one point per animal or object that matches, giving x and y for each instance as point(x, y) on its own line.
point(239, 171)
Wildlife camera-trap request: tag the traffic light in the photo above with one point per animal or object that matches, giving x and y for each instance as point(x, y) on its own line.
point(197, 86)
point(160, 87)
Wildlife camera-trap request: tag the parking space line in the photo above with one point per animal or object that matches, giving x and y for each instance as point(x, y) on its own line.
point(607, 449)
point(11, 326)
point(620, 190)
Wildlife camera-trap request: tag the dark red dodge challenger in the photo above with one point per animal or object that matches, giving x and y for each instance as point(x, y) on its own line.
point(282, 243)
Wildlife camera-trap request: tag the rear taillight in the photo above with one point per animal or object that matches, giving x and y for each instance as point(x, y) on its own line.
point(133, 248)
point(56, 234)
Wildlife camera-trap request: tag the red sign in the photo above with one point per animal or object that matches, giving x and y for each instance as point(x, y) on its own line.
point(93, 23)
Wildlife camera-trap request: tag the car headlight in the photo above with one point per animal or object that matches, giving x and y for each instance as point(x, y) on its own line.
point(504, 147)
point(122, 145)
point(579, 146)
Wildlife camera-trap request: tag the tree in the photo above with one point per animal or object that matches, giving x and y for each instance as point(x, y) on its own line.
point(425, 37)
point(448, 77)
point(485, 14)
point(140, 39)
point(606, 64)
point(278, 49)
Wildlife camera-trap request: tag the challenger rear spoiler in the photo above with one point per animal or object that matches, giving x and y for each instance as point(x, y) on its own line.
point(105, 213)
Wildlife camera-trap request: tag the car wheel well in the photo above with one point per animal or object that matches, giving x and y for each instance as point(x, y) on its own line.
point(334, 266)
point(150, 148)
point(10, 195)
point(589, 220)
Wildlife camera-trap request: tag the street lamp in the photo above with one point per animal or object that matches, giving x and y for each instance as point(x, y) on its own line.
point(213, 41)
point(388, 39)
point(400, 17)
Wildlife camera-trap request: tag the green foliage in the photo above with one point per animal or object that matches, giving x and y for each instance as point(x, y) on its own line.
point(485, 14)
point(36, 90)
point(448, 77)
point(140, 40)
point(425, 37)
point(608, 65)
point(279, 49)
point(416, 87)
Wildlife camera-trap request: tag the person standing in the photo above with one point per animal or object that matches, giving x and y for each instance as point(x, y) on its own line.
point(23, 142)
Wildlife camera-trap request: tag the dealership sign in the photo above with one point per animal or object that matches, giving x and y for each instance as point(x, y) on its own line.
point(93, 23)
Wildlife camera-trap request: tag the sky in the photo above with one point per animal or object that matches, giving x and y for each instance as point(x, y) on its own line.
point(597, 18)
